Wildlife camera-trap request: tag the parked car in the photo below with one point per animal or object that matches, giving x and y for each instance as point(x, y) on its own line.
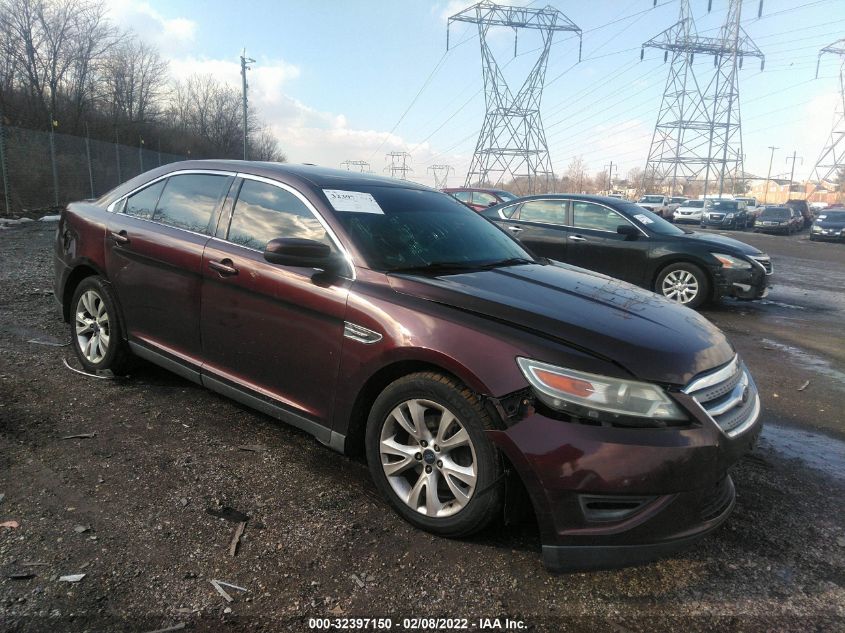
point(726, 214)
point(778, 220)
point(751, 207)
point(677, 201)
point(830, 225)
point(657, 204)
point(479, 199)
point(804, 209)
point(387, 319)
point(627, 242)
point(689, 212)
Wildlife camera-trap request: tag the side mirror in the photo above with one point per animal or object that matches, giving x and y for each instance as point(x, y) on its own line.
point(294, 251)
point(628, 230)
point(492, 204)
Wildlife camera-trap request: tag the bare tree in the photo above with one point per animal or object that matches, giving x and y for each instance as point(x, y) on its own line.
point(134, 82)
point(265, 146)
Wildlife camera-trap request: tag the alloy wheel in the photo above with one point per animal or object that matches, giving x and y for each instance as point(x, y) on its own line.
point(93, 330)
point(681, 286)
point(428, 458)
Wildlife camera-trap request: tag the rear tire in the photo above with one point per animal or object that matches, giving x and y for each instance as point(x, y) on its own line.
point(96, 331)
point(429, 455)
point(683, 283)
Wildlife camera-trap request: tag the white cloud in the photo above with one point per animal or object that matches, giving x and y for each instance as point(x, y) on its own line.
point(169, 35)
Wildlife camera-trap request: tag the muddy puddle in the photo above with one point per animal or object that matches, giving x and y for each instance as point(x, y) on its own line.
point(817, 451)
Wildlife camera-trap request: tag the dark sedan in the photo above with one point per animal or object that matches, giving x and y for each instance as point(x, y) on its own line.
point(778, 220)
point(388, 320)
point(625, 241)
point(726, 214)
point(829, 226)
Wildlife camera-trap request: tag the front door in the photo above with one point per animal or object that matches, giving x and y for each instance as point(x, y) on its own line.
point(540, 226)
point(274, 330)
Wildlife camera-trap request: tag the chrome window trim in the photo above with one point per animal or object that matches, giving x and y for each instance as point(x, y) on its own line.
point(275, 183)
point(708, 380)
point(201, 172)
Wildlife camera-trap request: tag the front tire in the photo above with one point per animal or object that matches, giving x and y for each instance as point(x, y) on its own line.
point(429, 455)
point(96, 331)
point(683, 283)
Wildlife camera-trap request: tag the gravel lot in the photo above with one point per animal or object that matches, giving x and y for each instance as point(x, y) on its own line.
point(128, 507)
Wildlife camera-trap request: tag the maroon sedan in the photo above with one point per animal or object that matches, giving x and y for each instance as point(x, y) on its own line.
point(390, 321)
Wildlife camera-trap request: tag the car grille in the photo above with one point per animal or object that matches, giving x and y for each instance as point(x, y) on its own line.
point(765, 262)
point(728, 395)
point(717, 216)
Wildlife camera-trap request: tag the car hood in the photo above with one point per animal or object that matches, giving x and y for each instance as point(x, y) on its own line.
point(651, 337)
point(831, 224)
point(721, 241)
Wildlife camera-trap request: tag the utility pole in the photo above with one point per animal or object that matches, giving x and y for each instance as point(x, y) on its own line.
point(698, 134)
point(361, 166)
point(769, 175)
point(245, 62)
point(792, 173)
point(398, 166)
point(609, 169)
point(831, 160)
point(512, 141)
point(441, 174)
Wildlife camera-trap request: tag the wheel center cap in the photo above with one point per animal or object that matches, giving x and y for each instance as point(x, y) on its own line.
point(429, 457)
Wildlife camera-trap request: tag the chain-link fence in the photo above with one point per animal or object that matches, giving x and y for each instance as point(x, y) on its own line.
point(41, 170)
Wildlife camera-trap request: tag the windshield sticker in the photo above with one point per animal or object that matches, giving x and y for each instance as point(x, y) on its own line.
point(644, 219)
point(352, 201)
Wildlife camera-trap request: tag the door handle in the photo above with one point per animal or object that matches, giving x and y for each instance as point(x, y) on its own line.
point(121, 239)
point(515, 229)
point(224, 268)
point(577, 238)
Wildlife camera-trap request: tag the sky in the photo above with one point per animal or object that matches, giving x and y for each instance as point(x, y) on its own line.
point(340, 80)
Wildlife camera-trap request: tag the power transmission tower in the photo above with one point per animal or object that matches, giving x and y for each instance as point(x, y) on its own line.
point(361, 166)
point(831, 161)
point(398, 166)
point(441, 175)
point(512, 140)
point(698, 135)
point(245, 62)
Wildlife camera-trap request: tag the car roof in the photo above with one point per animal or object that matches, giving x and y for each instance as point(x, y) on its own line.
point(586, 197)
point(480, 189)
point(311, 176)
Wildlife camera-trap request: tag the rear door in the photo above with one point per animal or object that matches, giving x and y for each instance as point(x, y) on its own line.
point(273, 330)
point(594, 243)
point(154, 246)
point(540, 225)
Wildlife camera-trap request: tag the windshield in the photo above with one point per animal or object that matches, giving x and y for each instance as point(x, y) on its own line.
point(723, 205)
point(418, 229)
point(694, 204)
point(678, 200)
point(649, 220)
point(775, 214)
point(506, 195)
point(832, 216)
point(749, 201)
point(658, 199)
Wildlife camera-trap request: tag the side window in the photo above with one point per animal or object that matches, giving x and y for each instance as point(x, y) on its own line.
point(264, 212)
point(189, 200)
point(483, 199)
point(509, 212)
point(587, 215)
point(548, 211)
point(142, 204)
point(463, 196)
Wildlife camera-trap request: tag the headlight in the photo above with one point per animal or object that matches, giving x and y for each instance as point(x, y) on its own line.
point(586, 395)
point(816, 229)
point(728, 261)
point(729, 216)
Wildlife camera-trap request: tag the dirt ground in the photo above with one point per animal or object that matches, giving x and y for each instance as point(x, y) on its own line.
point(128, 507)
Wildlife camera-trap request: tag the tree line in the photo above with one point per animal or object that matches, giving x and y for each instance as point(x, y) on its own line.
point(65, 63)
